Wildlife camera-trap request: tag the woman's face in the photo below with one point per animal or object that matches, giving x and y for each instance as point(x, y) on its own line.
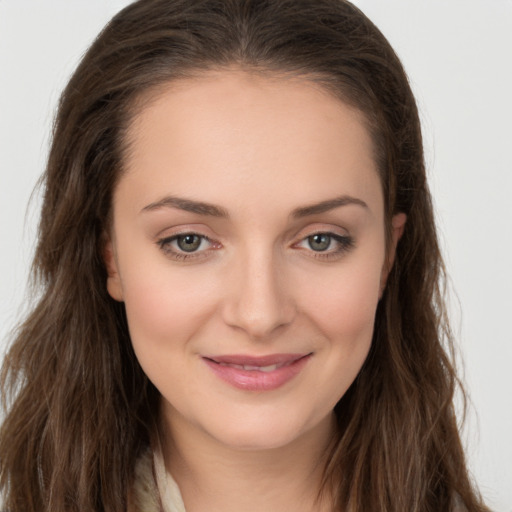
point(248, 246)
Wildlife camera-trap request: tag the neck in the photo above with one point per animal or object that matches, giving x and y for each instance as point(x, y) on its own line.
point(213, 476)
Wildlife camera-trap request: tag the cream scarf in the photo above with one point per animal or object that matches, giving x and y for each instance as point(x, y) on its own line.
point(154, 490)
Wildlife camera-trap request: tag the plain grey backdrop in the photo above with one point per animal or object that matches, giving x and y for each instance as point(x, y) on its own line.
point(458, 54)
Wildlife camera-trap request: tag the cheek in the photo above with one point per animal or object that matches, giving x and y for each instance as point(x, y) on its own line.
point(343, 303)
point(164, 308)
point(343, 310)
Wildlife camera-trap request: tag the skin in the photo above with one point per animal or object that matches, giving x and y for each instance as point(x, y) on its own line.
point(260, 149)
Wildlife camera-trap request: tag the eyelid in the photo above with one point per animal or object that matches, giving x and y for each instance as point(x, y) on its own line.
point(182, 229)
point(165, 244)
point(345, 242)
point(311, 228)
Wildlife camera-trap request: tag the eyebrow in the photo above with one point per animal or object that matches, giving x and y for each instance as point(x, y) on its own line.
point(208, 209)
point(188, 205)
point(325, 206)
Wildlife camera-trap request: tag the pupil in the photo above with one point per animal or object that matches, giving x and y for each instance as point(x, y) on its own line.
point(319, 242)
point(189, 243)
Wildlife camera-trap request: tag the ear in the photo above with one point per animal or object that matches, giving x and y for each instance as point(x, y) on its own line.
point(114, 286)
point(397, 229)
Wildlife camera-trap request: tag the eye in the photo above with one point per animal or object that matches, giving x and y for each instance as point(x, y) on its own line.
point(189, 243)
point(319, 242)
point(326, 244)
point(185, 245)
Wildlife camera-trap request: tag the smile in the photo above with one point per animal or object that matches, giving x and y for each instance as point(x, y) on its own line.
point(257, 373)
point(251, 368)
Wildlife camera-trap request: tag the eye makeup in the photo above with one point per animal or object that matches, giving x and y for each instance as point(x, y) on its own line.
point(188, 246)
point(326, 245)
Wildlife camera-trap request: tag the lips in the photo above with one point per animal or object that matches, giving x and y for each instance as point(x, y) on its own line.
point(257, 373)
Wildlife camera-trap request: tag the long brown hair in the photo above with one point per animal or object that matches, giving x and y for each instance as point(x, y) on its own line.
point(80, 409)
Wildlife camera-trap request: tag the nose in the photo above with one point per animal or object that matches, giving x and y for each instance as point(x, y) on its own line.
point(258, 302)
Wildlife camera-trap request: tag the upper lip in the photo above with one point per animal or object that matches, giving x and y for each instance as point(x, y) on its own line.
point(248, 360)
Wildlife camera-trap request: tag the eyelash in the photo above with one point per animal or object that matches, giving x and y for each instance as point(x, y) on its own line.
point(344, 244)
point(177, 254)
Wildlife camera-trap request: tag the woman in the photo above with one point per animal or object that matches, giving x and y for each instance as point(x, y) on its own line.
point(240, 277)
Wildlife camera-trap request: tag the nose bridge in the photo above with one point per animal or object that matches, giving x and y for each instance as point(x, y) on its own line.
point(259, 301)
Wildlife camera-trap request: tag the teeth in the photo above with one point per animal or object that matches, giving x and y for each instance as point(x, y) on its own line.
point(269, 368)
point(237, 366)
point(248, 367)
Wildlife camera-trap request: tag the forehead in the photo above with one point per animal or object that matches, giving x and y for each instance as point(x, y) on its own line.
point(229, 135)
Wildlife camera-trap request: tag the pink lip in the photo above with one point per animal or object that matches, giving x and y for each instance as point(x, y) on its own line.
point(288, 366)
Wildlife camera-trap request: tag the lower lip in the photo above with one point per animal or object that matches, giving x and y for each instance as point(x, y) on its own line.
point(255, 380)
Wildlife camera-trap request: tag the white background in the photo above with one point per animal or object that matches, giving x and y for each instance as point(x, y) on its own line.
point(458, 54)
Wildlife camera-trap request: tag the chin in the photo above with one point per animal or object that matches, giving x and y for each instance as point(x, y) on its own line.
point(263, 431)
point(257, 440)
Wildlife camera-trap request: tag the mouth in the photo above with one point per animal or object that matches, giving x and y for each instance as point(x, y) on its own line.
point(252, 373)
